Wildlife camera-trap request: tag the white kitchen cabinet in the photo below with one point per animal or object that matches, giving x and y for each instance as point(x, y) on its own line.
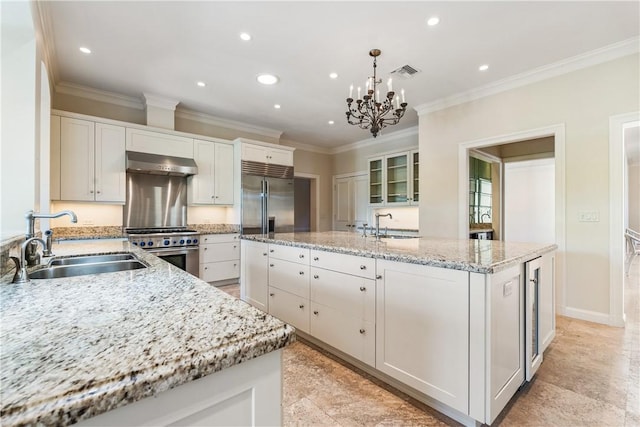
point(393, 179)
point(343, 312)
point(289, 276)
point(165, 144)
point(547, 310)
point(350, 208)
point(254, 280)
point(267, 154)
point(92, 161)
point(213, 185)
point(422, 329)
point(219, 257)
point(54, 171)
point(289, 253)
point(290, 308)
point(348, 264)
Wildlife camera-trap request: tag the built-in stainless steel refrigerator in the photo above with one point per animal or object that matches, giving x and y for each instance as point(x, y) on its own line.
point(267, 198)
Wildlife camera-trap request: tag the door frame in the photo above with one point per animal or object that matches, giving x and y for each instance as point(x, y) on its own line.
point(617, 125)
point(314, 197)
point(558, 132)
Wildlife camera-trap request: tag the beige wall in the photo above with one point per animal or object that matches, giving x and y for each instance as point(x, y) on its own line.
point(308, 162)
point(634, 196)
point(583, 101)
point(92, 107)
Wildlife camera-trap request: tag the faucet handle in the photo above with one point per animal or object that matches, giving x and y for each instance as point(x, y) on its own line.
point(21, 275)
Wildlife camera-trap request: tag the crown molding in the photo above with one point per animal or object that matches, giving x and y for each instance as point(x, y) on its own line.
point(376, 141)
point(99, 95)
point(44, 28)
point(306, 147)
point(608, 53)
point(160, 101)
point(226, 123)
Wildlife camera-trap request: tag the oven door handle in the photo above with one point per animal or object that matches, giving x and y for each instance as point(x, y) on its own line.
point(171, 251)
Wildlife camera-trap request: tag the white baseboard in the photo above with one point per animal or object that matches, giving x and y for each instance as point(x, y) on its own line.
point(588, 315)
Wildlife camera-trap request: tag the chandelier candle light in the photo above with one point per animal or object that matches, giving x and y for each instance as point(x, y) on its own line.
point(371, 111)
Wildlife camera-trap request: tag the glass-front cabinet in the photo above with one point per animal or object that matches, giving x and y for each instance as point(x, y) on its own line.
point(393, 179)
point(415, 156)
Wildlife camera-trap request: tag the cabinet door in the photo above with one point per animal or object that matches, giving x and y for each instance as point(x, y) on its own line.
point(254, 277)
point(77, 155)
point(289, 308)
point(289, 276)
point(376, 181)
point(280, 157)
point(54, 171)
point(215, 252)
point(397, 179)
point(201, 185)
point(214, 271)
point(145, 141)
point(547, 311)
point(289, 253)
point(419, 309)
point(344, 292)
point(254, 153)
point(219, 238)
point(349, 334)
point(349, 264)
point(415, 175)
point(223, 174)
point(110, 169)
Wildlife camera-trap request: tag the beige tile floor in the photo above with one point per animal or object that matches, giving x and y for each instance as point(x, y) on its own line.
point(590, 377)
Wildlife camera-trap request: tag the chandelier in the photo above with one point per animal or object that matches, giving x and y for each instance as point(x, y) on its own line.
point(371, 111)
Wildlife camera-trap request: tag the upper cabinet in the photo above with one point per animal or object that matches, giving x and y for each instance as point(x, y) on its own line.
point(267, 154)
point(213, 185)
point(393, 179)
point(144, 141)
point(88, 161)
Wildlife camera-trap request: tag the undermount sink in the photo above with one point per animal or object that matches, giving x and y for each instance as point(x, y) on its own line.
point(90, 264)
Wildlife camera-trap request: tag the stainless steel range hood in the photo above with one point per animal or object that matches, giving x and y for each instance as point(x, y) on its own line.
point(154, 164)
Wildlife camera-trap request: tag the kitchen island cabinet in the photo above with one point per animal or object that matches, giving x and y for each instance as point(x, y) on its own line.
point(153, 346)
point(449, 315)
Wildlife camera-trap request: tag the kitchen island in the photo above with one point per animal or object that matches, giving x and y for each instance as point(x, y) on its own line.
point(154, 345)
point(457, 324)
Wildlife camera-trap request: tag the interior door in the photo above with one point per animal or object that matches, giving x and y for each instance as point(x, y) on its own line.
point(342, 205)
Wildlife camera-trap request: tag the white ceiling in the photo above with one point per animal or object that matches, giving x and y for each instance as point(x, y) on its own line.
point(164, 48)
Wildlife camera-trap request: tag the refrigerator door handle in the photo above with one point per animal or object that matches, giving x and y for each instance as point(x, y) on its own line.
point(265, 208)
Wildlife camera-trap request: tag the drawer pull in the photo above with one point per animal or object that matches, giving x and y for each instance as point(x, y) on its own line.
point(362, 288)
point(234, 246)
point(363, 267)
point(315, 312)
point(206, 268)
point(301, 256)
point(301, 273)
point(271, 294)
point(315, 276)
point(315, 258)
point(301, 306)
point(362, 331)
point(271, 250)
point(379, 276)
point(264, 254)
point(206, 249)
point(271, 265)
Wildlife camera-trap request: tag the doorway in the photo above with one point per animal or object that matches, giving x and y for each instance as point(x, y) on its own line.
point(306, 193)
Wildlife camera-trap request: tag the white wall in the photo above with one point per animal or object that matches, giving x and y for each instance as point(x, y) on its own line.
point(20, 87)
point(529, 201)
point(633, 197)
point(583, 101)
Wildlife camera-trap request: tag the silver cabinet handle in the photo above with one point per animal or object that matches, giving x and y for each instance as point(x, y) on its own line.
point(91, 191)
point(271, 250)
point(264, 254)
point(362, 331)
point(379, 276)
point(206, 249)
point(301, 256)
point(235, 247)
point(206, 268)
point(315, 276)
point(315, 258)
point(363, 267)
point(271, 294)
point(98, 191)
point(301, 273)
point(270, 265)
point(362, 288)
point(315, 312)
point(301, 306)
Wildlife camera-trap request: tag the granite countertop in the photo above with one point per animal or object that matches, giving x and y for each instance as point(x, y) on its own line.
point(116, 231)
point(480, 256)
point(76, 347)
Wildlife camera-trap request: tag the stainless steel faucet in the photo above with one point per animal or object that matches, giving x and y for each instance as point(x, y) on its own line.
point(32, 257)
point(378, 223)
point(21, 275)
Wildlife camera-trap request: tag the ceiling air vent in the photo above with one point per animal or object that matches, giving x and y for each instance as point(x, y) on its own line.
point(406, 71)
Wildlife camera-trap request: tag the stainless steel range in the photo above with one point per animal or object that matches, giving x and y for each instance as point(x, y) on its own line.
point(178, 246)
point(155, 214)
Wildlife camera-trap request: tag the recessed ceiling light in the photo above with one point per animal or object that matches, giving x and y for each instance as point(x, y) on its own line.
point(201, 84)
point(276, 106)
point(331, 122)
point(85, 50)
point(434, 20)
point(245, 36)
point(267, 79)
point(333, 75)
point(483, 67)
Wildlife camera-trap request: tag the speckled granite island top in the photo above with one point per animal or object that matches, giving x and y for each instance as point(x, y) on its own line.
point(480, 256)
point(76, 347)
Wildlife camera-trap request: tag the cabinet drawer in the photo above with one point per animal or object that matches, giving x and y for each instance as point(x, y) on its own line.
point(220, 252)
point(351, 335)
point(214, 271)
point(289, 276)
point(344, 292)
point(350, 264)
point(289, 253)
point(289, 308)
point(219, 238)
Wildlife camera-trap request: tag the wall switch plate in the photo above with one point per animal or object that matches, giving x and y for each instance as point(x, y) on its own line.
point(589, 216)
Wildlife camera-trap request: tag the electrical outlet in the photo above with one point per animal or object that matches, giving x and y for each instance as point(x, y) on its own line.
point(589, 216)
